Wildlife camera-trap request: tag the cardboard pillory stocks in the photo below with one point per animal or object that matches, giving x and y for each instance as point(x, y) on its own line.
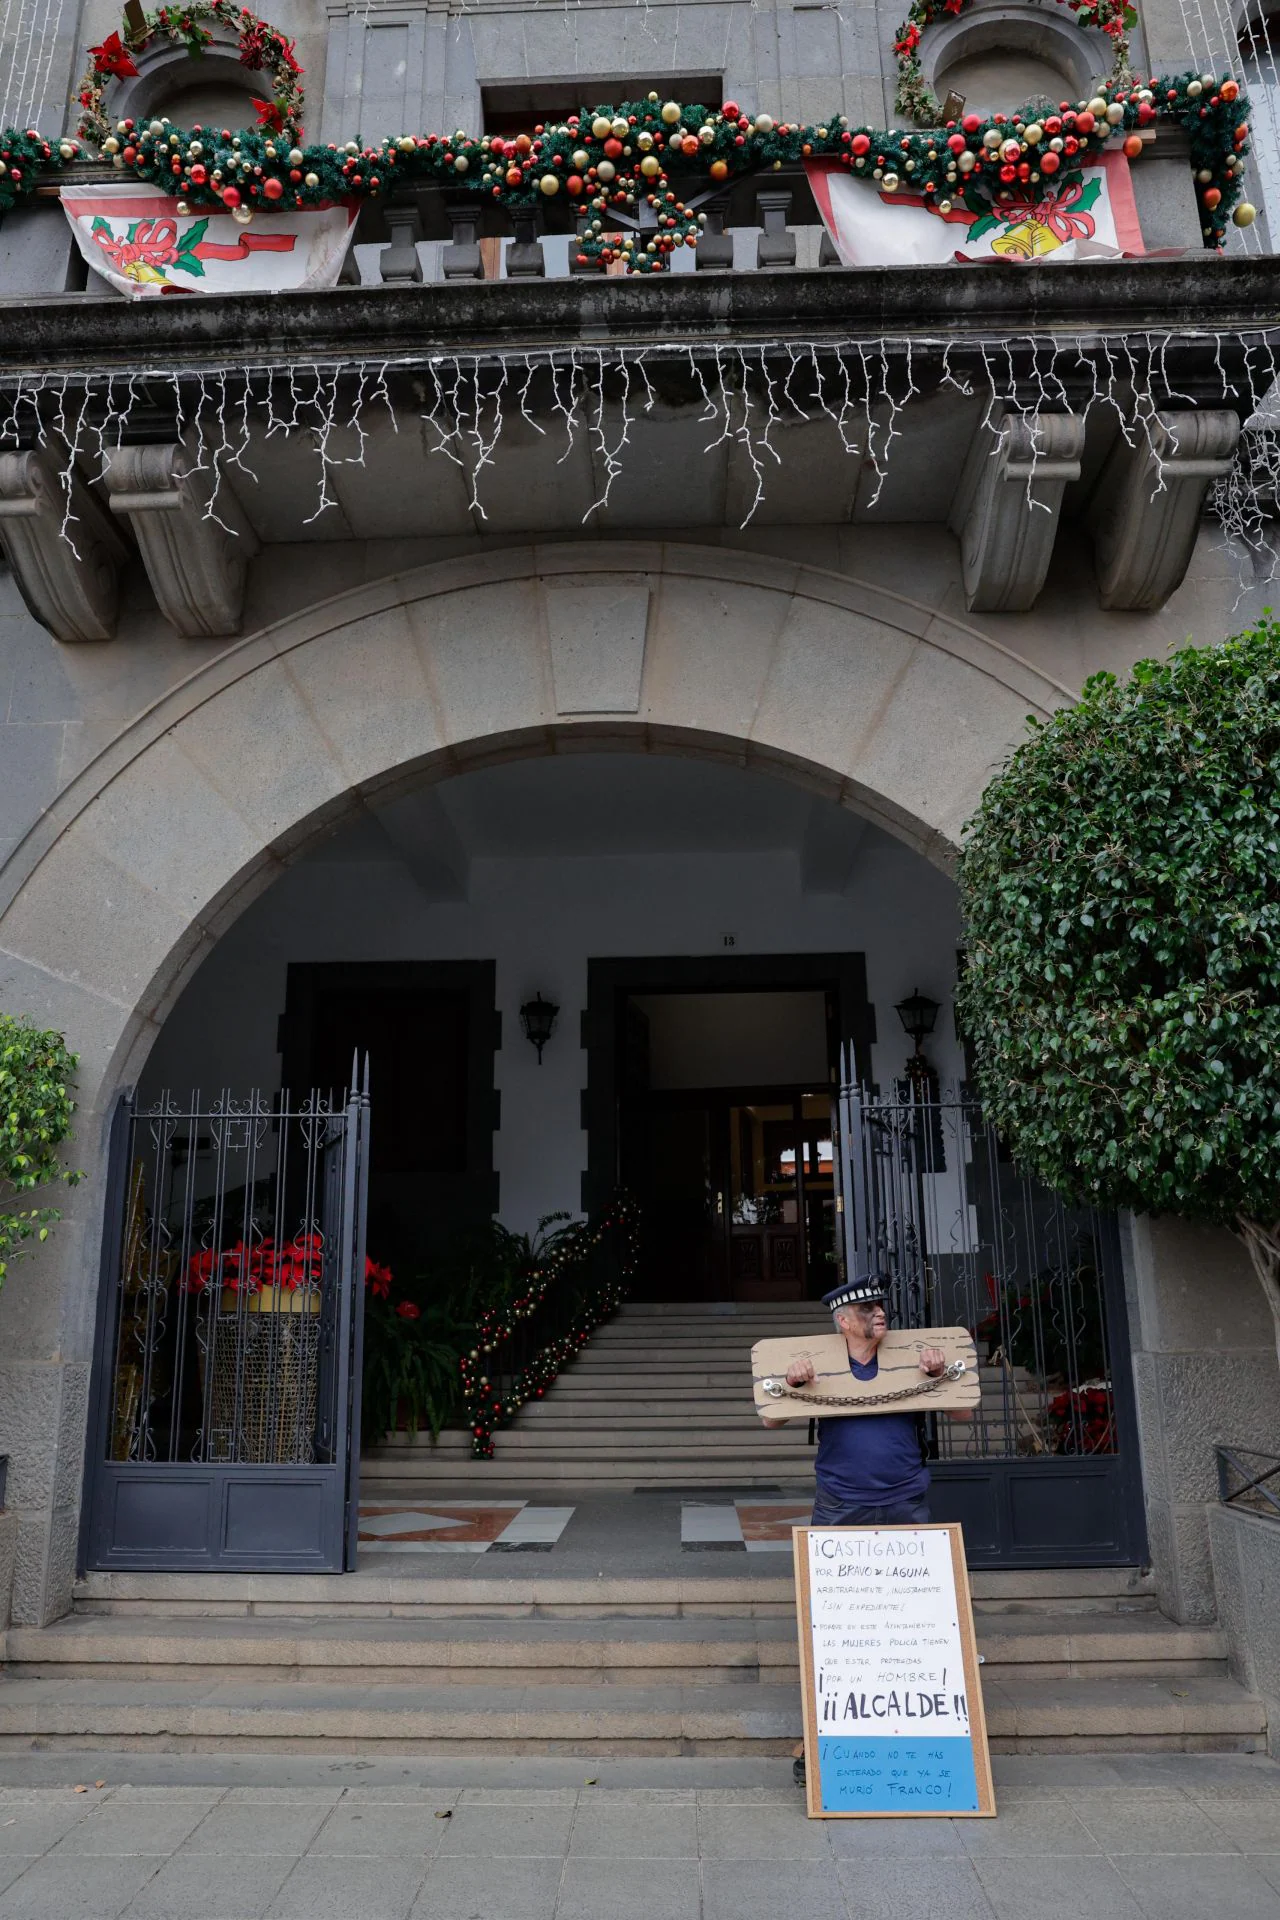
point(893, 1716)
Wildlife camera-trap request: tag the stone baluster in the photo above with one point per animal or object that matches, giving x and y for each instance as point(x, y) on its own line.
point(714, 251)
point(776, 246)
point(398, 262)
point(525, 260)
point(460, 259)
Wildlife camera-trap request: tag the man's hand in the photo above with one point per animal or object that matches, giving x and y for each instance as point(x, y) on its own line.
point(933, 1361)
point(800, 1373)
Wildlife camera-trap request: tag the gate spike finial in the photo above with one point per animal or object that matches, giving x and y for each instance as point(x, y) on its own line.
point(355, 1070)
point(366, 1074)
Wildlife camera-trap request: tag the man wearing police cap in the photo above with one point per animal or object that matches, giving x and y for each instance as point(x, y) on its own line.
point(871, 1469)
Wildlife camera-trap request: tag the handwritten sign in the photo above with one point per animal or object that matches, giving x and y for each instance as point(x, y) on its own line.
point(893, 1714)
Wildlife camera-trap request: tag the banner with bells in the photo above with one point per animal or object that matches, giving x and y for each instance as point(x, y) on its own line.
point(884, 224)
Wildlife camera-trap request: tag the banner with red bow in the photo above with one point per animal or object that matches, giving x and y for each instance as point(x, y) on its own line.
point(1091, 216)
point(135, 238)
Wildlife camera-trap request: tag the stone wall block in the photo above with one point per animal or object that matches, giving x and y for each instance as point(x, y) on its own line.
point(73, 1416)
point(29, 1407)
point(30, 1556)
point(369, 694)
point(1195, 1288)
point(87, 920)
point(831, 678)
point(258, 744)
point(932, 749)
point(8, 1556)
point(483, 650)
point(1246, 1567)
point(696, 629)
point(1211, 1400)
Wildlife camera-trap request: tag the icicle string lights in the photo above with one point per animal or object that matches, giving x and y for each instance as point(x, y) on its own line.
point(744, 395)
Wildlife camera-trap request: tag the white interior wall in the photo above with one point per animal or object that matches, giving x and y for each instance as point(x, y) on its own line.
point(540, 919)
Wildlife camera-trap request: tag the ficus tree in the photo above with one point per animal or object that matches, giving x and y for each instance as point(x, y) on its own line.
point(36, 1074)
point(1121, 887)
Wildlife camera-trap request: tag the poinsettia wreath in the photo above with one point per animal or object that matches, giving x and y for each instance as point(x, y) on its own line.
point(634, 174)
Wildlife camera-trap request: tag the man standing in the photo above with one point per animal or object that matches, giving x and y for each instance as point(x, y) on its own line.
point(871, 1468)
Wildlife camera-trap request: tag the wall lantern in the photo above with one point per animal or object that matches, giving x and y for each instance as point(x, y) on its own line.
point(538, 1017)
point(918, 1014)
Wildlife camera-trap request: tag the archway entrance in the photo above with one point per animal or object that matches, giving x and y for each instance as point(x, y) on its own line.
point(153, 857)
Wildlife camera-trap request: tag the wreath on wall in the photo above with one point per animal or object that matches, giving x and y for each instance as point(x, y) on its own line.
point(634, 174)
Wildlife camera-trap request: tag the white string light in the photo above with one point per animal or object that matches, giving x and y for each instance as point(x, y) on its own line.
point(746, 394)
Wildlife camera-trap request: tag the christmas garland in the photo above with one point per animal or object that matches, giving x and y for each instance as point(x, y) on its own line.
point(490, 1407)
point(1115, 18)
point(634, 174)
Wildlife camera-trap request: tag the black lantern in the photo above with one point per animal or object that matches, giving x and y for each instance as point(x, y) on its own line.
point(918, 1014)
point(538, 1017)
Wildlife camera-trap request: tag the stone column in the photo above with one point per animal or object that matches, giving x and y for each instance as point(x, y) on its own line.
point(1204, 1362)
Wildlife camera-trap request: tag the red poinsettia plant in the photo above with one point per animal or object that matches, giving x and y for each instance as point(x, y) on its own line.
point(291, 1264)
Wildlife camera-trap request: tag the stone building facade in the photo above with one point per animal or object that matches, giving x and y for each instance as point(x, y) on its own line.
point(735, 657)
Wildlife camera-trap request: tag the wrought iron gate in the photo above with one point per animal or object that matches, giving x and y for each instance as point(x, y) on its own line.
point(225, 1420)
point(1047, 1473)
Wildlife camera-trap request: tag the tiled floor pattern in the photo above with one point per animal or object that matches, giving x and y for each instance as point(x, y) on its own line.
point(479, 1526)
point(1117, 1840)
point(758, 1526)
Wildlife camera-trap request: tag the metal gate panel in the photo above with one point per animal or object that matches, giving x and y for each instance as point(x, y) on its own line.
point(1048, 1472)
point(229, 1336)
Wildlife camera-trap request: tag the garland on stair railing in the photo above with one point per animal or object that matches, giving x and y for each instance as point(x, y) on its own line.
point(635, 173)
point(493, 1393)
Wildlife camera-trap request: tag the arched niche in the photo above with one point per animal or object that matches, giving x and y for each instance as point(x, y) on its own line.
point(1001, 56)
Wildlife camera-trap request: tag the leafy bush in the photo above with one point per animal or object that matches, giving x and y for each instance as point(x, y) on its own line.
point(36, 1106)
point(1121, 886)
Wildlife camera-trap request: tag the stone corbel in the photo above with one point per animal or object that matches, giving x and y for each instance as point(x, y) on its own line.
point(196, 563)
point(68, 579)
point(1145, 512)
point(1006, 507)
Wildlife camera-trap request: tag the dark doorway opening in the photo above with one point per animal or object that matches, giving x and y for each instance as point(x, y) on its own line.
point(710, 1091)
point(430, 1030)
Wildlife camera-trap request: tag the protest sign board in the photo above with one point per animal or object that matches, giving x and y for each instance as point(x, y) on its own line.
point(893, 1718)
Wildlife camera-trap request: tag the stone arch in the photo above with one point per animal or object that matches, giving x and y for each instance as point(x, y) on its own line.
point(122, 887)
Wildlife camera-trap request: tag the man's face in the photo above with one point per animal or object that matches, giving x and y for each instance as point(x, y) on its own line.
point(867, 1322)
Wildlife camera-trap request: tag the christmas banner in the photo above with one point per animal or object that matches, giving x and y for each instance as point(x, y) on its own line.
point(1090, 217)
point(135, 238)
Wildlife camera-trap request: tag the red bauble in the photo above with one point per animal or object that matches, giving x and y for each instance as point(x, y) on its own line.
point(730, 110)
point(613, 149)
point(231, 196)
point(1049, 162)
point(574, 183)
point(199, 175)
point(1085, 122)
point(971, 122)
point(860, 143)
point(957, 143)
point(272, 187)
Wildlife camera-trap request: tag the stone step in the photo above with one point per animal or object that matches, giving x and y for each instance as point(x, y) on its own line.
point(741, 1589)
point(557, 1652)
point(735, 1719)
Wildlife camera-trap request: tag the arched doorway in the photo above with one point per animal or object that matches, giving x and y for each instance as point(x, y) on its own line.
point(124, 888)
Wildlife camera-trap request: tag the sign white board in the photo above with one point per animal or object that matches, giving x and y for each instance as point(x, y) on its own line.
point(892, 1701)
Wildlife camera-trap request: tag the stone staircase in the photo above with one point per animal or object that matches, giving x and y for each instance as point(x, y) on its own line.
point(490, 1664)
point(659, 1397)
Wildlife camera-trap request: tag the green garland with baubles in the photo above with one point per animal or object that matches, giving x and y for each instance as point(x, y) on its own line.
point(615, 164)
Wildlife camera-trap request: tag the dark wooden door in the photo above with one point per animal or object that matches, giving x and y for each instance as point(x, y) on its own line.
point(429, 1030)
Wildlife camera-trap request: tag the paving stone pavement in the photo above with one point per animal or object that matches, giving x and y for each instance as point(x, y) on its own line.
point(215, 1837)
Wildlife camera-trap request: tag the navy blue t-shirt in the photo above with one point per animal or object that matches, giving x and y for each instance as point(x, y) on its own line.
point(870, 1459)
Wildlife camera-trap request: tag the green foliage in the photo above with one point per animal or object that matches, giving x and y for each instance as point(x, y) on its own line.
point(413, 1345)
point(1121, 886)
point(36, 1071)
